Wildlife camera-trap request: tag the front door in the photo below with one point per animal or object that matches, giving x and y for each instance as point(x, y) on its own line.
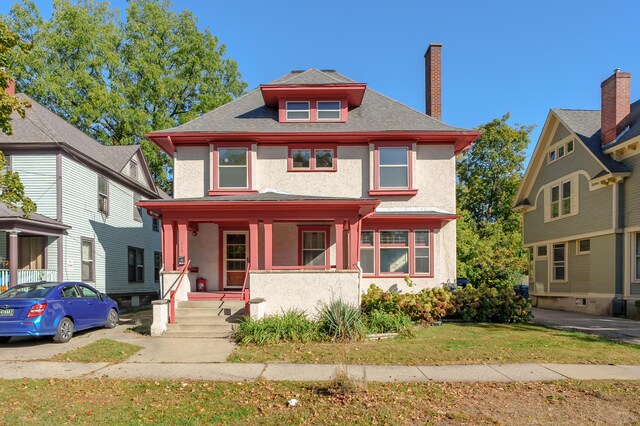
point(234, 258)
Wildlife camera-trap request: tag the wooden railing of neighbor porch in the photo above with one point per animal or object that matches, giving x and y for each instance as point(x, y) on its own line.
point(29, 276)
point(172, 293)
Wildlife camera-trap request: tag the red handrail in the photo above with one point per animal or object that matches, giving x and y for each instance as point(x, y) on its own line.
point(172, 294)
point(245, 291)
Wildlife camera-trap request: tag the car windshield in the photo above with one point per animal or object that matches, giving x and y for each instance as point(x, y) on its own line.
point(28, 291)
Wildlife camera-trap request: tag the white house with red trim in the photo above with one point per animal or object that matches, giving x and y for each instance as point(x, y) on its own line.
point(309, 188)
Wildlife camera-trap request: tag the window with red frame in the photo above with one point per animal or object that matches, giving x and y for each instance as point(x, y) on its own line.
point(397, 252)
point(393, 167)
point(314, 248)
point(312, 159)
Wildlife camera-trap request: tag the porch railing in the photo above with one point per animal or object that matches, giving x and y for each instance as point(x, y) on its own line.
point(245, 290)
point(29, 276)
point(172, 294)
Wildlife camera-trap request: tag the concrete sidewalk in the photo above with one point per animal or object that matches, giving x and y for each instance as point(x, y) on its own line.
point(318, 372)
point(620, 329)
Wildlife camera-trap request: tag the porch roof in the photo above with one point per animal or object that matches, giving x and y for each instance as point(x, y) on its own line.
point(249, 204)
point(13, 219)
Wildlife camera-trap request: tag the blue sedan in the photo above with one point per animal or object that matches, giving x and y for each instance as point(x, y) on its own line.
point(54, 309)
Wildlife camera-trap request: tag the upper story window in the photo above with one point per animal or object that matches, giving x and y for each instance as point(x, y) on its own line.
point(560, 150)
point(298, 111)
point(561, 199)
point(393, 168)
point(328, 110)
point(137, 210)
point(312, 159)
point(103, 195)
point(233, 170)
point(155, 224)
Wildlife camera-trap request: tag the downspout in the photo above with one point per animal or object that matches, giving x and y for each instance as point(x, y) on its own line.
point(359, 282)
point(619, 307)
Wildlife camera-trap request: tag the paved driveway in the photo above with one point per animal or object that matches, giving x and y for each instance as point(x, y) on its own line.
point(613, 328)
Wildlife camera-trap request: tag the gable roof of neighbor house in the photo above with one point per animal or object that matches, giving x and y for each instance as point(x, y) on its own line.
point(248, 113)
point(42, 127)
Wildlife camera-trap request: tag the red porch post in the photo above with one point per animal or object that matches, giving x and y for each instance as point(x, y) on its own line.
point(268, 244)
point(339, 226)
point(13, 258)
point(253, 244)
point(168, 245)
point(183, 243)
point(354, 242)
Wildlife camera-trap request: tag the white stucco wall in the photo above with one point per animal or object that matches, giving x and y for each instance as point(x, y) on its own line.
point(302, 290)
point(191, 172)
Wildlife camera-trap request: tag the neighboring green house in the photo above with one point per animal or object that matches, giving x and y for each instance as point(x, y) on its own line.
point(87, 226)
point(581, 203)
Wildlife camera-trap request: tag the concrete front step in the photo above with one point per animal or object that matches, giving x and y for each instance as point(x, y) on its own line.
point(200, 327)
point(200, 334)
point(209, 312)
point(211, 320)
point(211, 304)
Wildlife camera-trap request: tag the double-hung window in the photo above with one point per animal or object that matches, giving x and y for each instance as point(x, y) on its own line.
point(367, 252)
point(87, 254)
point(394, 252)
point(308, 159)
point(133, 170)
point(559, 262)
point(561, 200)
point(422, 252)
point(233, 170)
point(637, 257)
point(103, 195)
point(314, 248)
point(136, 264)
point(328, 110)
point(157, 265)
point(137, 210)
point(393, 169)
point(298, 111)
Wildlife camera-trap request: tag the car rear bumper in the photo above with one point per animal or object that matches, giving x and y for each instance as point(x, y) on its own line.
point(23, 328)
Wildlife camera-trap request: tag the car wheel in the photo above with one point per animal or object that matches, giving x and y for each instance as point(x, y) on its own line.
point(4, 339)
point(112, 319)
point(64, 332)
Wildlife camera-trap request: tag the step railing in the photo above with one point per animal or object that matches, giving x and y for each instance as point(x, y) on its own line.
point(172, 294)
point(245, 290)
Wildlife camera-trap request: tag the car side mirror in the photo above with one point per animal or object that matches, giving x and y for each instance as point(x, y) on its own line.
point(102, 296)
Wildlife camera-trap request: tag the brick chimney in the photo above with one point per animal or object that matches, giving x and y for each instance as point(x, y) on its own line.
point(11, 88)
point(616, 104)
point(433, 80)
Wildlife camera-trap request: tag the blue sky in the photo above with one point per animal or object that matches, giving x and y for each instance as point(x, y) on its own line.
point(498, 56)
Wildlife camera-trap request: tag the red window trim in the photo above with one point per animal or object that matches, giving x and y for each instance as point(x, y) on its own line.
point(327, 253)
point(214, 170)
point(411, 247)
point(313, 109)
point(312, 159)
point(377, 190)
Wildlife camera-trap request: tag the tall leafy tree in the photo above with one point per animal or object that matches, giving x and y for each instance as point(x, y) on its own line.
point(489, 232)
point(117, 79)
point(489, 172)
point(11, 188)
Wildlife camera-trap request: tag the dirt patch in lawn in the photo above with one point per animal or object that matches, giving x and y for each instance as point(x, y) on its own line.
point(103, 350)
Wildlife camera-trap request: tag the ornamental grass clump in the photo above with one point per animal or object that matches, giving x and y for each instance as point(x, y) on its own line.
point(341, 321)
point(291, 326)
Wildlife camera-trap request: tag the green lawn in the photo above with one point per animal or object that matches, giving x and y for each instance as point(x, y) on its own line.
point(455, 343)
point(103, 350)
point(124, 402)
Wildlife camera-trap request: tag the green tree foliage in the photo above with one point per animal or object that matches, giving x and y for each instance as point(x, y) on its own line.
point(11, 189)
point(489, 232)
point(117, 79)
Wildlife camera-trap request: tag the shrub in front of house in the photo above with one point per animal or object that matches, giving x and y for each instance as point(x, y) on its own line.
point(291, 326)
point(385, 322)
point(426, 306)
point(341, 321)
point(491, 304)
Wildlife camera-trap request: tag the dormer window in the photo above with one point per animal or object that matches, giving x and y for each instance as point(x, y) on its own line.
point(328, 110)
point(298, 111)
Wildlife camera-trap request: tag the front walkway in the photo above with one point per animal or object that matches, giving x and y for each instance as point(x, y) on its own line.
point(317, 372)
point(612, 328)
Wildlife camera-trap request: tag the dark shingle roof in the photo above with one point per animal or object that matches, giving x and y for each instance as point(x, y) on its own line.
point(7, 212)
point(586, 124)
point(377, 113)
point(43, 126)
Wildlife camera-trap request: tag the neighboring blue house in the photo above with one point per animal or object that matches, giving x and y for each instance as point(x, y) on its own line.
point(87, 227)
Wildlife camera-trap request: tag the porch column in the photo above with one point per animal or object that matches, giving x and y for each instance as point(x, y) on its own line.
point(339, 226)
point(268, 244)
point(168, 245)
point(183, 243)
point(253, 244)
point(13, 258)
point(354, 243)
